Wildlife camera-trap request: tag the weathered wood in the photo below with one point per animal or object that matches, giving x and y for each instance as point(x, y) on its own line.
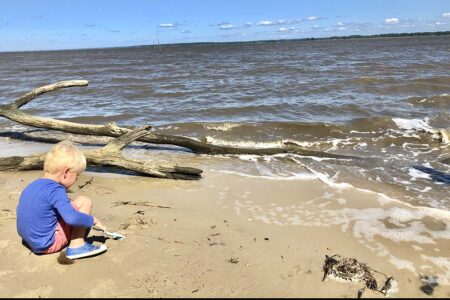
point(13, 113)
point(22, 163)
point(47, 88)
point(109, 156)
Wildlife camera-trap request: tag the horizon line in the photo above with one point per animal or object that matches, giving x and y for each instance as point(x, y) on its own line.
point(343, 37)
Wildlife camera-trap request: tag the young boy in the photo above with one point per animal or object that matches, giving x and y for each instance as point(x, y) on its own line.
point(47, 220)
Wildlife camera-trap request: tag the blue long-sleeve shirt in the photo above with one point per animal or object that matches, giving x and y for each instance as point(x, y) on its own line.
point(40, 206)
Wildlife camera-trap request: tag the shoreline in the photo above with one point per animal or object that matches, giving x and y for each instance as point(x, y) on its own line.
point(228, 236)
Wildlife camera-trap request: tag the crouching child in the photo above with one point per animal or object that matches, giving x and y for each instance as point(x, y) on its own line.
point(47, 220)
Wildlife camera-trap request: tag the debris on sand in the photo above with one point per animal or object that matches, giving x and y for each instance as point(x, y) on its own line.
point(86, 183)
point(429, 283)
point(233, 260)
point(139, 221)
point(352, 270)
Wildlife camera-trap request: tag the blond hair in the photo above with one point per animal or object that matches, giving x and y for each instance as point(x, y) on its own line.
point(64, 155)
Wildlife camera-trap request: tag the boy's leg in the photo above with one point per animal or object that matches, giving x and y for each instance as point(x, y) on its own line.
point(77, 237)
point(63, 232)
point(62, 235)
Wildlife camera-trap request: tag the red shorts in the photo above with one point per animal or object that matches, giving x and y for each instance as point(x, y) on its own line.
point(62, 235)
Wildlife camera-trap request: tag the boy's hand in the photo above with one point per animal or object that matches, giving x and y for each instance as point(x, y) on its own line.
point(99, 224)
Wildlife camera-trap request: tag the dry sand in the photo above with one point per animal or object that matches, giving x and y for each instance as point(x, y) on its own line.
point(222, 236)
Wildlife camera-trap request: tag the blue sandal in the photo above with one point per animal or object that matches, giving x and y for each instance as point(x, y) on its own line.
point(85, 251)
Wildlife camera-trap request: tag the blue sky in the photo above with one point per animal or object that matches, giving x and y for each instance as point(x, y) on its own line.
point(63, 24)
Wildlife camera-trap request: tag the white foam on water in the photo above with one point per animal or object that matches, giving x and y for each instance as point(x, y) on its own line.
point(444, 263)
point(221, 127)
point(405, 182)
point(363, 132)
point(412, 124)
point(336, 142)
point(300, 143)
point(402, 264)
point(369, 228)
point(315, 158)
point(383, 199)
point(444, 136)
point(16, 127)
point(249, 157)
point(169, 127)
point(341, 200)
point(426, 189)
point(372, 227)
point(417, 248)
point(329, 181)
point(421, 125)
point(244, 144)
point(415, 146)
point(416, 174)
point(194, 138)
point(288, 176)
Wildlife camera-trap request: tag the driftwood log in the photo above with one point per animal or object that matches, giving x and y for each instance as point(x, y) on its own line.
point(110, 156)
point(13, 112)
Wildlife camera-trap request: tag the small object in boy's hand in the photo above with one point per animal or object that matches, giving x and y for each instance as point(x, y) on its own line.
point(115, 235)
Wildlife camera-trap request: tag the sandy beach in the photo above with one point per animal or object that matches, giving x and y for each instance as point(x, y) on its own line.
point(227, 236)
point(307, 145)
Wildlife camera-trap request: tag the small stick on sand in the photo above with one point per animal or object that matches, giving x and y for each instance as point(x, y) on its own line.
point(86, 183)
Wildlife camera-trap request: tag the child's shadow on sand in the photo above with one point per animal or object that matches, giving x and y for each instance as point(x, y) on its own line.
point(97, 238)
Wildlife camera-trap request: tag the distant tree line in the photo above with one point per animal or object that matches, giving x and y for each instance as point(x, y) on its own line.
point(387, 35)
point(347, 37)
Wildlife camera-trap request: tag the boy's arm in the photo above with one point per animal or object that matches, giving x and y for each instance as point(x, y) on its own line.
point(99, 224)
point(71, 216)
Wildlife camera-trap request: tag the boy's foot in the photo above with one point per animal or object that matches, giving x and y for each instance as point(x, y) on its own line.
point(84, 251)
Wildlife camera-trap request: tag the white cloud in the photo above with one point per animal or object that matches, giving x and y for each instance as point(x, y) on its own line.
point(391, 21)
point(265, 23)
point(288, 29)
point(312, 18)
point(446, 15)
point(226, 26)
point(167, 25)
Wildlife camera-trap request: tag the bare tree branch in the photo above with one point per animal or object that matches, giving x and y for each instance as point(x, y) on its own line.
point(201, 147)
point(109, 156)
point(47, 88)
point(121, 142)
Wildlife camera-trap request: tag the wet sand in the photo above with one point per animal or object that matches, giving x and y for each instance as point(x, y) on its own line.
point(228, 236)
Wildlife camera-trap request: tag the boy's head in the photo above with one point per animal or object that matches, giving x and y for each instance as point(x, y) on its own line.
point(64, 155)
